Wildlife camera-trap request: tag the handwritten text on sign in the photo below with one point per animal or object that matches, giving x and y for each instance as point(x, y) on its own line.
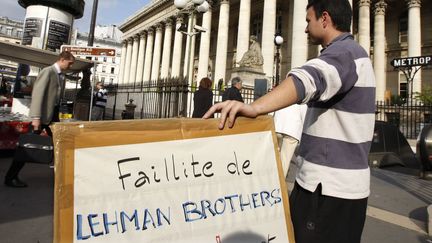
point(193, 190)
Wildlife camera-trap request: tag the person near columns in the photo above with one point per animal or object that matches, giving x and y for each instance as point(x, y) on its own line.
point(203, 98)
point(44, 107)
point(329, 199)
point(233, 93)
point(100, 98)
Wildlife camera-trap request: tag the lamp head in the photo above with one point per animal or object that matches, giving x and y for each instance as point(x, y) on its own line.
point(204, 7)
point(278, 40)
point(198, 2)
point(180, 4)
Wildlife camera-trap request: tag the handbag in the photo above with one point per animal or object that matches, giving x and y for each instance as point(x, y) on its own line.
point(34, 148)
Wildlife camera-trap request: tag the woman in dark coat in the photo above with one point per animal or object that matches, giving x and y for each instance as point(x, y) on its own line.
point(203, 98)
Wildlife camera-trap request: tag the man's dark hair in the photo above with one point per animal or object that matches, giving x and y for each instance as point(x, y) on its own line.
point(339, 10)
point(66, 55)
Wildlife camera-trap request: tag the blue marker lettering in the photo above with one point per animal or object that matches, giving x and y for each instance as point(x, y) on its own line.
point(79, 229)
point(107, 223)
point(187, 212)
point(90, 218)
point(134, 218)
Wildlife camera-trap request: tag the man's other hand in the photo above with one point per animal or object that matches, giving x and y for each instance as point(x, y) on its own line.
point(229, 110)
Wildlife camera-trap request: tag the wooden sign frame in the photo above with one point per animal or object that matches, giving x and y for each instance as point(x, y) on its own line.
point(71, 136)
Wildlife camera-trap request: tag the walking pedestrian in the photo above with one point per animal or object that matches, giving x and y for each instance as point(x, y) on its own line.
point(44, 107)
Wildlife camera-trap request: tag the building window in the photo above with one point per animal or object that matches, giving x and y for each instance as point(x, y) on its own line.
point(113, 60)
point(105, 59)
point(103, 69)
point(403, 28)
point(112, 70)
point(111, 80)
point(103, 79)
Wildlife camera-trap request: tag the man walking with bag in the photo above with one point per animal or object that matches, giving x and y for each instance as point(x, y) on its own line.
point(44, 108)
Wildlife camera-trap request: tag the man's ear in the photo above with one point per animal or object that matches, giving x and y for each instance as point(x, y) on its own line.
point(326, 19)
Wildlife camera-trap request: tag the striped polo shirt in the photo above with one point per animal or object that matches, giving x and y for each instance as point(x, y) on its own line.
point(339, 89)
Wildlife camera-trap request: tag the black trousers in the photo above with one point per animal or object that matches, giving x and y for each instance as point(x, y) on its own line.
point(323, 219)
point(16, 166)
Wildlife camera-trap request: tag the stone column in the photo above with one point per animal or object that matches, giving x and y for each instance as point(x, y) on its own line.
point(141, 53)
point(268, 33)
point(222, 41)
point(166, 52)
point(379, 58)
point(414, 38)
point(122, 61)
point(177, 50)
point(364, 24)
point(190, 50)
point(157, 53)
point(148, 55)
point(243, 29)
point(128, 61)
point(299, 43)
point(204, 51)
point(134, 59)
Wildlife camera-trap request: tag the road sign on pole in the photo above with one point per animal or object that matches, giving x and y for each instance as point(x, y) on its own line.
point(89, 51)
point(411, 61)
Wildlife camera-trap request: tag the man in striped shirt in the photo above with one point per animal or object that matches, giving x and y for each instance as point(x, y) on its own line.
point(329, 199)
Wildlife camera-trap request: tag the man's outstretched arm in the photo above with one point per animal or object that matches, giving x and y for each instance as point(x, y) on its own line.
point(281, 96)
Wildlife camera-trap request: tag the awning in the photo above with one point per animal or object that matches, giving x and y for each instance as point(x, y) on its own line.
point(37, 57)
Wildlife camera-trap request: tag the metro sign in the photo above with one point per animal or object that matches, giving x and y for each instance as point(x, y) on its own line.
point(89, 51)
point(411, 61)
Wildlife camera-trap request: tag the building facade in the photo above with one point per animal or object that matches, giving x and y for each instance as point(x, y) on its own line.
point(153, 49)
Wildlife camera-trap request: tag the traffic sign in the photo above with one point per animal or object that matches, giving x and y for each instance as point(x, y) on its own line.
point(89, 50)
point(411, 61)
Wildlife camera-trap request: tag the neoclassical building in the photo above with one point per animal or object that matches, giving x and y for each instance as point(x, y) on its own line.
point(153, 49)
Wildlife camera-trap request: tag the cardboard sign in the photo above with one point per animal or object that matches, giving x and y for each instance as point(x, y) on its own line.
point(169, 180)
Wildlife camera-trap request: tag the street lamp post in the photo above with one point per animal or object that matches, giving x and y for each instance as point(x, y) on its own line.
point(278, 40)
point(190, 7)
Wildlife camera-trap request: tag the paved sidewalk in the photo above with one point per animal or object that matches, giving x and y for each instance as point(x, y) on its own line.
point(396, 212)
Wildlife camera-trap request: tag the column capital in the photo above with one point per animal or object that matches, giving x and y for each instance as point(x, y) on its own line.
point(143, 34)
point(150, 31)
point(124, 42)
point(413, 3)
point(168, 22)
point(136, 37)
point(158, 27)
point(179, 19)
point(380, 7)
point(364, 3)
point(224, 2)
point(130, 40)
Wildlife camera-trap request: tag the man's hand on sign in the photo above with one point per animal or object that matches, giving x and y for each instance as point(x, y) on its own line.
point(283, 95)
point(229, 110)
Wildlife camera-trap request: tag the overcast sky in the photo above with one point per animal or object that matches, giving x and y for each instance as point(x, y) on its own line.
point(109, 11)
